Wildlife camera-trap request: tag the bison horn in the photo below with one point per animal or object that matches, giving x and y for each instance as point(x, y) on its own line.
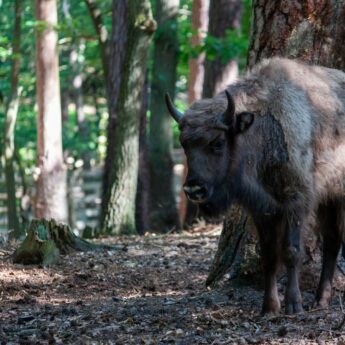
point(228, 116)
point(177, 115)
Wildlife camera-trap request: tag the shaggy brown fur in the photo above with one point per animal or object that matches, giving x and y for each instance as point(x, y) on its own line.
point(287, 165)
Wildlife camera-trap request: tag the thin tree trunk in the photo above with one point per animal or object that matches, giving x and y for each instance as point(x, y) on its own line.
point(78, 79)
point(65, 99)
point(117, 47)
point(133, 27)
point(224, 15)
point(9, 129)
point(51, 197)
point(163, 210)
point(25, 202)
point(200, 9)
point(102, 35)
point(312, 32)
point(200, 21)
point(142, 196)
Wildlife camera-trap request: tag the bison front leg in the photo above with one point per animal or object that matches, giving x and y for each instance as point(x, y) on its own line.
point(292, 250)
point(269, 239)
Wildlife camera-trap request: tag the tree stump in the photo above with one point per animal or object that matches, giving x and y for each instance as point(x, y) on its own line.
point(46, 240)
point(237, 252)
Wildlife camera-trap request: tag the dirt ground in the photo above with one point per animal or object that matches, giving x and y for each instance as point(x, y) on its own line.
point(151, 291)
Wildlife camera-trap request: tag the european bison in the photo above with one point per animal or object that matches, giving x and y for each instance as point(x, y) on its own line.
point(274, 142)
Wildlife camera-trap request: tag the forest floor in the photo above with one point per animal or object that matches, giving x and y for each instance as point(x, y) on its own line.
point(151, 290)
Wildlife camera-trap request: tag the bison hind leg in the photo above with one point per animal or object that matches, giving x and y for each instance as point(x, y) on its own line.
point(331, 221)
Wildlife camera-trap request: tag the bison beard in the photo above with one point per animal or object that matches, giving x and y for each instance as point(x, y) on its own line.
point(217, 205)
point(284, 129)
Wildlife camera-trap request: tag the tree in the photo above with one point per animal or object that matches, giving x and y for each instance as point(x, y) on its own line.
point(102, 36)
point(133, 27)
point(9, 128)
point(312, 32)
point(199, 26)
point(163, 213)
point(142, 196)
point(196, 78)
point(224, 15)
point(51, 197)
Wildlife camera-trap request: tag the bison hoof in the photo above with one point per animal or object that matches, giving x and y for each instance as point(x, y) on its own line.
point(322, 303)
point(293, 308)
point(323, 297)
point(270, 309)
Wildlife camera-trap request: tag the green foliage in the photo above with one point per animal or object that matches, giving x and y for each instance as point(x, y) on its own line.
point(75, 27)
point(233, 46)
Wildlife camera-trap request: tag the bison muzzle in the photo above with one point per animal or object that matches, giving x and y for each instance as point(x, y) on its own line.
point(274, 142)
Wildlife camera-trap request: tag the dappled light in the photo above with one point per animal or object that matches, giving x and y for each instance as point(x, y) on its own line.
point(172, 172)
point(152, 288)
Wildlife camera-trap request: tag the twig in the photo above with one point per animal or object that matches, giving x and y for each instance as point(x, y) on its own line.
point(342, 310)
point(340, 269)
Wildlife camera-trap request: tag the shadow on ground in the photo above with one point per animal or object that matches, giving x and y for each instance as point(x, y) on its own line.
point(150, 292)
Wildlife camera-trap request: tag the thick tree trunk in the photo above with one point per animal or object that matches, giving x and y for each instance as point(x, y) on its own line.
point(51, 198)
point(133, 27)
point(312, 32)
point(224, 15)
point(10, 120)
point(309, 30)
point(200, 10)
point(163, 210)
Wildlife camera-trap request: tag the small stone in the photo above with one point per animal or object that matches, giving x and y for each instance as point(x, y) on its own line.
point(179, 332)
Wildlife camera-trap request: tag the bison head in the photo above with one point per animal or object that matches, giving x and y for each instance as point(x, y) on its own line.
point(210, 141)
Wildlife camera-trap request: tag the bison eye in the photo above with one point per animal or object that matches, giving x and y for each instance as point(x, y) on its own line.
point(217, 145)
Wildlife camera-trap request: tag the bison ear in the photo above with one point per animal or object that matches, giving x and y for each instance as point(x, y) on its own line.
point(243, 122)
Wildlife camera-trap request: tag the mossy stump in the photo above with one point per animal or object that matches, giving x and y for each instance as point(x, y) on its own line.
point(46, 240)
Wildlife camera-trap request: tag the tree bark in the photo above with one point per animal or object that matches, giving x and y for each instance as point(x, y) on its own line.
point(200, 9)
point(200, 21)
point(142, 196)
point(224, 15)
point(116, 48)
point(163, 210)
point(313, 32)
point(310, 30)
point(51, 197)
point(10, 120)
point(133, 27)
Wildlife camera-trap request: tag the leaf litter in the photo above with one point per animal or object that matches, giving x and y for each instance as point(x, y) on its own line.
point(152, 291)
